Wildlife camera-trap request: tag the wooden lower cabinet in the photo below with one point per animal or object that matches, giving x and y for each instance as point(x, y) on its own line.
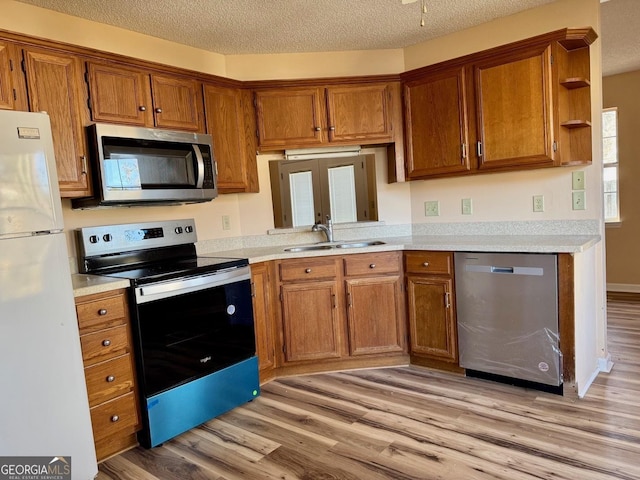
point(107, 352)
point(375, 304)
point(263, 319)
point(431, 304)
point(341, 312)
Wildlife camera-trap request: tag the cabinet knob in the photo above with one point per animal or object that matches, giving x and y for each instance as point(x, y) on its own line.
point(307, 270)
point(115, 418)
point(106, 343)
point(142, 108)
point(372, 265)
point(318, 129)
point(102, 312)
point(425, 264)
point(110, 378)
point(158, 110)
point(332, 128)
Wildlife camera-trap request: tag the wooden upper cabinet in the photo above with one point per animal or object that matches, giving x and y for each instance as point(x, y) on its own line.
point(513, 110)
point(233, 149)
point(296, 117)
point(130, 96)
point(358, 113)
point(55, 85)
point(119, 95)
point(290, 117)
point(436, 124)
point(13, 95)
point(177, 103)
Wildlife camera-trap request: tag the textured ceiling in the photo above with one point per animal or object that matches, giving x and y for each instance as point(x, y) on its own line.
point(286, 26)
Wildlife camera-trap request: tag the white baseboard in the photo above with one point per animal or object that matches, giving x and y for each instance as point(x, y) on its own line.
point(623, 287)
point(582, 389)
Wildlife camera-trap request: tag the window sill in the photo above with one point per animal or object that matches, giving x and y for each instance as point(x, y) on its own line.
point(613, 224)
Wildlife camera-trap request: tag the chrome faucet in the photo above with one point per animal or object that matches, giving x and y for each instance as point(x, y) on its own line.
point(326, 228)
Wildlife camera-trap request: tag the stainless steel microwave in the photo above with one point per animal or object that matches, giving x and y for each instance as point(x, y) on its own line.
point(144, 166)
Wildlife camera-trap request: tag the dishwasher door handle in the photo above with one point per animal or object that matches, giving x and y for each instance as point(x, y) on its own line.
point(501, 269)
point(535, 271)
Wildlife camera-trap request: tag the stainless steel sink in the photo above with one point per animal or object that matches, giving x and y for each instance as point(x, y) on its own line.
point(306, 248)
point(359, 244)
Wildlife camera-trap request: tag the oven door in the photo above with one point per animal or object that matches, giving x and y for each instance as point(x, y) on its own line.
point(192, 327)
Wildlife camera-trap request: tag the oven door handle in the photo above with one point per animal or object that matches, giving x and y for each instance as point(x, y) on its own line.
point(200, 163)
point(172, 288)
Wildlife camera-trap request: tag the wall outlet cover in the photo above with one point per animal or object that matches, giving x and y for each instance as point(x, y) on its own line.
point(538, 203)
point(577, 180)
point(226, 222)
point(467, 206)
point(432, 208)
point(579, 200)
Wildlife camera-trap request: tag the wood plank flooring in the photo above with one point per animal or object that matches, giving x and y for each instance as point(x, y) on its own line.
point(411, 423)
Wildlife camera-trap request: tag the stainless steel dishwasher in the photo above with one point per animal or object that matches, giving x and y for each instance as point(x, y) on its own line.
point(507, 308)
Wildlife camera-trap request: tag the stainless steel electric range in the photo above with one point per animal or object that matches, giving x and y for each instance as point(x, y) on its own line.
point(192, 322)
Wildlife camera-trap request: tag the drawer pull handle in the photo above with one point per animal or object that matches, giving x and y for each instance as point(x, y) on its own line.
point(425, 264)
point(307, 270)
point(110, 378)
point(102, 312)
point(373, 265)
point(115, 418)
point(106, 343)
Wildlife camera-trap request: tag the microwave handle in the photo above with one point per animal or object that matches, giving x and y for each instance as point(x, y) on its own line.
point(200, 162)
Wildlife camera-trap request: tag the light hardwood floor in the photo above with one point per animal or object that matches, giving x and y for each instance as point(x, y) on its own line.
point(411, 423)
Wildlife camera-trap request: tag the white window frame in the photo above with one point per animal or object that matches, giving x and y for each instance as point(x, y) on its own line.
point(611, 221)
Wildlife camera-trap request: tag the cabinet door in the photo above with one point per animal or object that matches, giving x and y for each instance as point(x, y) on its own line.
point(289, 118)
point(358, 113)
point(436, 124)
point(177, 103)
point(375, 315)
point(13, 95)
point(262, 317)
point(55, 85)
point(513, 110)
point(236, 164)
point(432, 319)
point(311, 323)
point(119, 94)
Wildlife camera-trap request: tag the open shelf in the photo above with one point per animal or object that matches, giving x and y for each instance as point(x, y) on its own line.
point(575, 82)
point(576, 124)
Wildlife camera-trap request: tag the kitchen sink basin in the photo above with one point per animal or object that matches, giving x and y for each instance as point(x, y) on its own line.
point(306, 248)
point(355, 244)
point(359, 244)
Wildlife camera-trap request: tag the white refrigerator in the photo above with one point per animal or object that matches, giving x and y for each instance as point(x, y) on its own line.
point(44, 410)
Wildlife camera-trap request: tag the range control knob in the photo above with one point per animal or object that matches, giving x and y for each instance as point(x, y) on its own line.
point(178, 230)
point(107, 237)
point(188, 229)
point(93, 239)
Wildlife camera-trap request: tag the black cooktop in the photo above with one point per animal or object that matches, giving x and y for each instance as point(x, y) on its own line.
point(167, 270)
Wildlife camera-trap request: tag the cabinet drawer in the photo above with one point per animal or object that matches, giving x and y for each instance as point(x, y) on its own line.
point(109, 379)
point(308, 270)
point(98, 314)
point(104, 344)
point(429, 262)
point(114, 416)
point(371, 264)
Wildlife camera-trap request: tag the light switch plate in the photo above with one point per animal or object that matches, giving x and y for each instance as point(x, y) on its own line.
point(432, 208)
point(226, 222)
point(467, 206)
point(577, 180)
point(538, 203)
point(579, 200)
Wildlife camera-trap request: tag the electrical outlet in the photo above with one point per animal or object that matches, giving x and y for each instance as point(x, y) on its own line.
point(538, 203)
point(226, 222)
point(579, 200)
point(577, 180)
point(432, 208)
point(467, 206)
